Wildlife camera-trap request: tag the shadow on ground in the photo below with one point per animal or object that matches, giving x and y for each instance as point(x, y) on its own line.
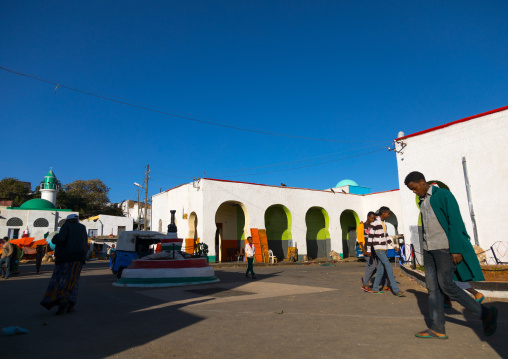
point(496, 341)
point(107, 321)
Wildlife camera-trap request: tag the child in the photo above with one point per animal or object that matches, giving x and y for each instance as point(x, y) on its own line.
point(249, 252)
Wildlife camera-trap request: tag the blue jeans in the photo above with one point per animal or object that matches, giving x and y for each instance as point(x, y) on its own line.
point(370, 269)
point(383, 267)
point(7, 262)
point(439, 270)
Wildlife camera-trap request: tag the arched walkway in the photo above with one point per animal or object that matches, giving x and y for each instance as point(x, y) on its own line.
point(349, 220)
point(318, 236)
point(278, 229)
point(192, 237)
point(231, 221)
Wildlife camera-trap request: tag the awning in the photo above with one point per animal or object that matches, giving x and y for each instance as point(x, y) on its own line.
point(22, 241)
point(94, 218)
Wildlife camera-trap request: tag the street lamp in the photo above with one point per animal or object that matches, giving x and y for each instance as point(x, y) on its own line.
point(137, 189)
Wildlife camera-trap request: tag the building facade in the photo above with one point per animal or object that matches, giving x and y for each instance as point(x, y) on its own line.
point(223, 213)
point(468, 157)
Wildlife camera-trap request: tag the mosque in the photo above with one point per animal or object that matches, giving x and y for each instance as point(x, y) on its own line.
point(38, 216)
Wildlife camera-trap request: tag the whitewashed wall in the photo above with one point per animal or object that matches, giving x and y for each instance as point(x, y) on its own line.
point(256, 199)
point(28, 217)
point(108, 225)
point(438, 155)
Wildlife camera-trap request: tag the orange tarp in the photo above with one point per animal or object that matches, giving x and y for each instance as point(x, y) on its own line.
point(22, 241)
point(40, 242)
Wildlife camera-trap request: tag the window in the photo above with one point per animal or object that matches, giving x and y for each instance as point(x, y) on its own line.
point(121, 229)
point(14, 222)
point(41, 222)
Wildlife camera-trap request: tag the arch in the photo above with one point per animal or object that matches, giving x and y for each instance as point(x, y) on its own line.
point(349, 220)
point(41, 222)
point(61, 222)
point(192, 237)
point(278, 222)
point(14, 222)
point(392, 224)
point(231, 221)
point(318, 235)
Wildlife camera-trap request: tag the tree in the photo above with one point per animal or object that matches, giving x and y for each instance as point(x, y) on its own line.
point(15, 190)
point(88, 197)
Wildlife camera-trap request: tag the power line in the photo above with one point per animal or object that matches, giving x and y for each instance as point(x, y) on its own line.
point(295, 161)
point(312, 165)
point(125, 102)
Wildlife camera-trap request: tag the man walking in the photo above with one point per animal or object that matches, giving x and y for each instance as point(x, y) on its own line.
point(447, 251)
point(379, 240)
point(70, 254)
point(362, 232)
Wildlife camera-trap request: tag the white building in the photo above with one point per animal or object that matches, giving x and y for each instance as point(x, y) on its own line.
point(39, 216)
point(135, 210)
point(223, 213)
point(103, 225)
point(474, 145)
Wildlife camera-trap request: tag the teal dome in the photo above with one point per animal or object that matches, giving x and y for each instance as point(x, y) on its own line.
point(346, 182)
point(37, 203)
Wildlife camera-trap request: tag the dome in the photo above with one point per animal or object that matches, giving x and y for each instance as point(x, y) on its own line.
point(346, 182)
point(37, 203)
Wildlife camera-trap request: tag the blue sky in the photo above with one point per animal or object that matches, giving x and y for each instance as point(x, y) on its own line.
point(354, 72)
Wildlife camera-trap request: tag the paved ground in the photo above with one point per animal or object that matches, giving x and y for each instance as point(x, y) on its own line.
point(290, 311)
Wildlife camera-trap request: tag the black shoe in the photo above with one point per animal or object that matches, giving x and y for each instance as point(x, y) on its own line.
point(71, 308)
point(254, 277)
point(62, 307)
point(246, 276)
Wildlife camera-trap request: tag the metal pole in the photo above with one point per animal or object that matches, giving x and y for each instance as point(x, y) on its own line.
point(137, 189)
point(470, 201)
point(146, 193)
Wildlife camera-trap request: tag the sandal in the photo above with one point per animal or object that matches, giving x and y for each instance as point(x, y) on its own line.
point(401, 293)
point(479, 300)
point(429, 334)
point(490, 322)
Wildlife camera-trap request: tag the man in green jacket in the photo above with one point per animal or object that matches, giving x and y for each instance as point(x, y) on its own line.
point(447, 254)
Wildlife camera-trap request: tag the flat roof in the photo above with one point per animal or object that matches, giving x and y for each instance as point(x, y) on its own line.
point(284, 187)
point(453, 123)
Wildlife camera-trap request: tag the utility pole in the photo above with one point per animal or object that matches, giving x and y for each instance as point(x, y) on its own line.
point(146, 193)
point(139, 215)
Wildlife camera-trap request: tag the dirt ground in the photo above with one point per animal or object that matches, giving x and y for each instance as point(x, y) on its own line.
point(494, 273)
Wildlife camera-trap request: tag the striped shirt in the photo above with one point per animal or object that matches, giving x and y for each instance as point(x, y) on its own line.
point(378, 238)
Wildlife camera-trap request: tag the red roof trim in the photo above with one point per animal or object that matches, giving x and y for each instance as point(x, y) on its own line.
point(306, 189)
point(452, 123)
point(267, 185)
point(183, 184)
point(392, 190)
